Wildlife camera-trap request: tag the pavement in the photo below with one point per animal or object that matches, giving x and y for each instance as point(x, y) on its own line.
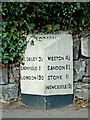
point(19, 110)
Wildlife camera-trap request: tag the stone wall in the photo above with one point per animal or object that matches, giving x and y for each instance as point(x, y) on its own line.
point(10, 74)
point(82, 67)
point(9, 82)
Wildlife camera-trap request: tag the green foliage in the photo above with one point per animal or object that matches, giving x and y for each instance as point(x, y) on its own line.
point(23, 18)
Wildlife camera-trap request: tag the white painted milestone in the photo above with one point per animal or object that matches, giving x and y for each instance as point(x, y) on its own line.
point(85, 46)
point(48, 65)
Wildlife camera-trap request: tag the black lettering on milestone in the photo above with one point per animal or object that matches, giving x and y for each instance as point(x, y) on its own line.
point(49, 58)
point(48, 67)
point(48, 77)
point(44, 37)
point(54, 87)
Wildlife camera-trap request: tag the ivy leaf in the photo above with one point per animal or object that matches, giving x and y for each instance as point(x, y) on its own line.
point(44, 17)
point(74, 21)
point(32, 42)
point(5, 34)
point(11, 58)
point(83, 20)
point(5, 61)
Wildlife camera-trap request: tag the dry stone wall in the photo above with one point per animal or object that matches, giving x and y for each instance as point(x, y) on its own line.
point(9, 83)
point(82, 67)
point(10, 75)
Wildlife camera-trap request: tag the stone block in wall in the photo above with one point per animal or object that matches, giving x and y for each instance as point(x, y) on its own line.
point(3, 75)
point(0, 92)
point(82, 90)
point(79, 70)
point(78, 85)
point(76, 48)
point(82, 93)
point(86, 79)
point(9, 91)
point(88, 67)
point(1, 98)
point(81, 85)
point(85, 46)
point(14, 74)
point(0, 74)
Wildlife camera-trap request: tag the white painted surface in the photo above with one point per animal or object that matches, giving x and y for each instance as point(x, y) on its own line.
point(61, 48)
point(33, 86)
point(58, 46)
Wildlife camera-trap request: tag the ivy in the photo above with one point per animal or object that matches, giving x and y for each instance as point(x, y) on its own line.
point(22, 18)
